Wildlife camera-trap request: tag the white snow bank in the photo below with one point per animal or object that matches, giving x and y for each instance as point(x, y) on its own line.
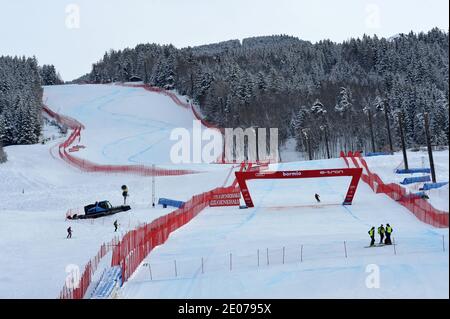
point(123, 125)
point(385, 166)
point(286, 215)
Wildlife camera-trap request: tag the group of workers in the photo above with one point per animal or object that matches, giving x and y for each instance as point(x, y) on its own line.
point(116, 225)
point(382, 232)
point(69, 230)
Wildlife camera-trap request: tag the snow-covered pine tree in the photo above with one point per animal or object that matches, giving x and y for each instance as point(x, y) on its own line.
point(20, 101)
point(318, 110)
point(287, 72)
point(440, 121)
point(3, 155)
point(49, 75)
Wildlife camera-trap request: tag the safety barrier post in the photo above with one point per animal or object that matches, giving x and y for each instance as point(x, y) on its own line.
point(150, 270)
point(345, 248)
point(257, 254)
point(393, 244)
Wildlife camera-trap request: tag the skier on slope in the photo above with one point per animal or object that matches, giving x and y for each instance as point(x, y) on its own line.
point(389, 231)
point(372, 236)
point(69, 232)
point(116, 225)
point(317, 197)
point(381, 232)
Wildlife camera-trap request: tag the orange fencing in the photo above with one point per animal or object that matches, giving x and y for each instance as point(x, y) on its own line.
point(423, 210)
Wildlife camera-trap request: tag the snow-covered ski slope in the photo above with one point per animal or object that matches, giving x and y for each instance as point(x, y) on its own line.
point(130, 125)
point(386, 165)
point(287, 215)
point(123, 124)
point(37, 189)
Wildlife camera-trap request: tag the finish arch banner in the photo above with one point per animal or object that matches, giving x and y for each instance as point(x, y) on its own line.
point(354, 173)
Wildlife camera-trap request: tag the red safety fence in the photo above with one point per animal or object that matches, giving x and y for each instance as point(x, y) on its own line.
point(423, 210)
point(177, 101)
point(189, 106)
point(88, 166)
point(137, 244)
point(76, 288)
point(61, 119)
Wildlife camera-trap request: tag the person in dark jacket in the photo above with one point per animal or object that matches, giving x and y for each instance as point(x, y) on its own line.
point(389, 231)
point(69, 232)
point(372, 236)
point(317, 197)
point(116, 225)
point(381, 232)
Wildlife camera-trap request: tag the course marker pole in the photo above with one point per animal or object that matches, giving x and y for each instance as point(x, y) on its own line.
point(301, 254)
point(153, 185)
point(258, 256)
point(202, 267)
point(150, 270)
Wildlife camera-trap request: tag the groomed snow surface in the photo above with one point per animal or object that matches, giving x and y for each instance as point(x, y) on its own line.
point(386, 165)
point(123, 125)
point(286, 215)
point(37, 189)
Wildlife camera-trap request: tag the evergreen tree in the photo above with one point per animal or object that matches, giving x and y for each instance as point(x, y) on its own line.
point(262, 80)
point(20, 101)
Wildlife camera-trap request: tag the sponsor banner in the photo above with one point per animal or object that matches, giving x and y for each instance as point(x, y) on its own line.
point(226, 196)
point(293, 173)
point(224, 202)
point(331, 172)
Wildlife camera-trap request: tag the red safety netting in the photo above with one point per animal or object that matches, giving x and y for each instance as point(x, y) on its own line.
point(137, 244)
point(423, 210)
point(177, 101)
point(76, 288)
point(89, 166)
point(186, 105)
point(61, 119)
